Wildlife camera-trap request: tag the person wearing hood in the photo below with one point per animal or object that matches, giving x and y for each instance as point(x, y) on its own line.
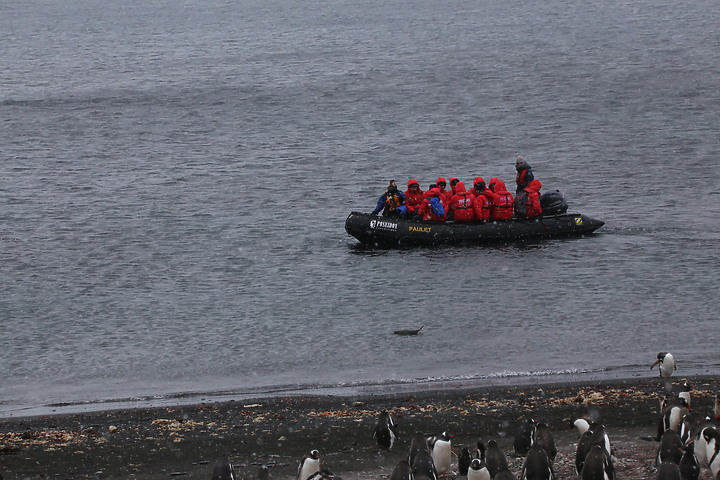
point(391, 202)
point(492, 183)
point(483, 199)
point(413, 196)
point(441, 184)
point(453, 183)
point(502, 207)
point(527, 202)
point(461, 207)
point(433, 206)
point(524, 174)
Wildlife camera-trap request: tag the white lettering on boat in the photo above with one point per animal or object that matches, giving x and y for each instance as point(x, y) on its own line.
point(383, 225)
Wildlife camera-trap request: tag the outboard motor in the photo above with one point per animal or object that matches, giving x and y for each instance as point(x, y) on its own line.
point(553, 203)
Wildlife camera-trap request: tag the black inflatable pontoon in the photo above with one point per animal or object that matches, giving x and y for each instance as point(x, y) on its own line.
point(385, 231)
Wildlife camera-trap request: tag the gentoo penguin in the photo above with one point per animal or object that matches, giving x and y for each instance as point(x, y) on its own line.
point(537, 464)
point(584, 445)
point(495, 459)
point(402, 471)
point(700, 447)
point(504, 475)
point(691, 424)
point(600, 437)
point(671, 448)
point(385, 433)
point(667, 364)
point(668, 471)
point(423, 465)
point(712, 438)
point(309, 465)
point(263, 473)
point(223, 469)
point(478, 470)
point(674, 414)
point(464, 461)
point(689, 468)
point(417, 443)
point(685, 390)
point(598, 465)
point(582, 425)
point(523, 437)
point(441, 451)
point(544, 437)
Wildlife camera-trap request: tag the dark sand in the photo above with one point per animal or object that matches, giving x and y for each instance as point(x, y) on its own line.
point(183, 442)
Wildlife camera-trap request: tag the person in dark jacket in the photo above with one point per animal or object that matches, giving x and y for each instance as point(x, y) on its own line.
point(524, 174)
point(392, 202)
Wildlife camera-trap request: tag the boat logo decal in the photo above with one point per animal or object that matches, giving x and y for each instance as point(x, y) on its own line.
point(383, 225)
point(578, 220)
point(420, 229)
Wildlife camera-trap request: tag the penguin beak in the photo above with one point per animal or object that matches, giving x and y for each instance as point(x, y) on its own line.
point(657, 362)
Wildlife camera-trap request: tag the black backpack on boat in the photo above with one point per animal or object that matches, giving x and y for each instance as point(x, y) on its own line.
point(553, 203)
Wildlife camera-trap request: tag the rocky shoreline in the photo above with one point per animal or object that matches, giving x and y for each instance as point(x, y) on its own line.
point(184, 441)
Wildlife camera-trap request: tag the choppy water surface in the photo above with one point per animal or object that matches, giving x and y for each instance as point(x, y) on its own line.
point(176, 178)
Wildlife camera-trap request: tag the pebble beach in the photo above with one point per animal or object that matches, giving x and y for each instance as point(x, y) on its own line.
point(185, 441)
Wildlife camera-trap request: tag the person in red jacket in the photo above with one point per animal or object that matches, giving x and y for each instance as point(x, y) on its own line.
point(492, 183)
point(527, 202)
point(453, 183)
point(433, 207)
point(483, 200)
point(462, 205)
point(413, 196)
point(441, 185)
point(502, 208)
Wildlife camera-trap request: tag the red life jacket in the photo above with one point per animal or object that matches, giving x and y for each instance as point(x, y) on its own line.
point(483, 205)
point(502, 202)
point(462, 204)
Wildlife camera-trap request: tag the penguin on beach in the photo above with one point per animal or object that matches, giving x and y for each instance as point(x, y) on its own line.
point(402, 471)
point(441, 451)
point(671, 448)
point(598, 465)
point(584, 445)
point(385, 433)
point(689, 467)
point(417, 444)
point(667, 364)
point(712, 439)
point(544, 437)
point(223, 469)
point(668, 471)
point(495, 458)
point(523, 437)
point(504, 475)
point(478, 470)
point(464, 461)
point(309, 465)
point(537, 464)
point(423, 465)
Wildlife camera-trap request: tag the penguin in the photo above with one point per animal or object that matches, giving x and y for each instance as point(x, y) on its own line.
point(504, 475)
point(582, 425)
point(667, 364)
point(600, 437)
point(424, 465)
point(478, 470)
point(309, 465)
point(323, 475)
point(223, 469)
point(598, 465)
point(689, 468)
point(700, 447)
point(495, 459)
point(671, 449)
point(385, 433)
point(523, 437)
point(583, 448)
point(691, 424)
point(712, 438)
point(464, 461)
point(716, 408)
point(544, 437)
point(685, 390)
point(402, 471)
point(674, 414)
point(417, 443)
point(441, 451)
point(537, 464)
point(263, 473)
point(668, 471)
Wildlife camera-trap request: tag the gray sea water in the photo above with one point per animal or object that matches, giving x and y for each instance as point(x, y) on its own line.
point(176, 176)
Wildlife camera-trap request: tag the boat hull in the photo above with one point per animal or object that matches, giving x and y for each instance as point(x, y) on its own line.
point(383, 231)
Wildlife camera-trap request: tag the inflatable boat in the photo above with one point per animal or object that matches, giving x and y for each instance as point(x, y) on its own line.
point(388, 231)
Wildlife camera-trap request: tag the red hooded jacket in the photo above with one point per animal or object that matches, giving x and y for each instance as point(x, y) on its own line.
point(483, 200)
point(502, 202)
point(413, 198)
point(532, 204)
point(462, 204)
point(425, 209)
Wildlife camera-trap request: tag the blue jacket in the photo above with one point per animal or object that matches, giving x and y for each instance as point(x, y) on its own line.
point(383, 204)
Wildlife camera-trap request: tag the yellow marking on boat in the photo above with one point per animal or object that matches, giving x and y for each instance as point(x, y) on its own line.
point(578, 220)
point(420, 229)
